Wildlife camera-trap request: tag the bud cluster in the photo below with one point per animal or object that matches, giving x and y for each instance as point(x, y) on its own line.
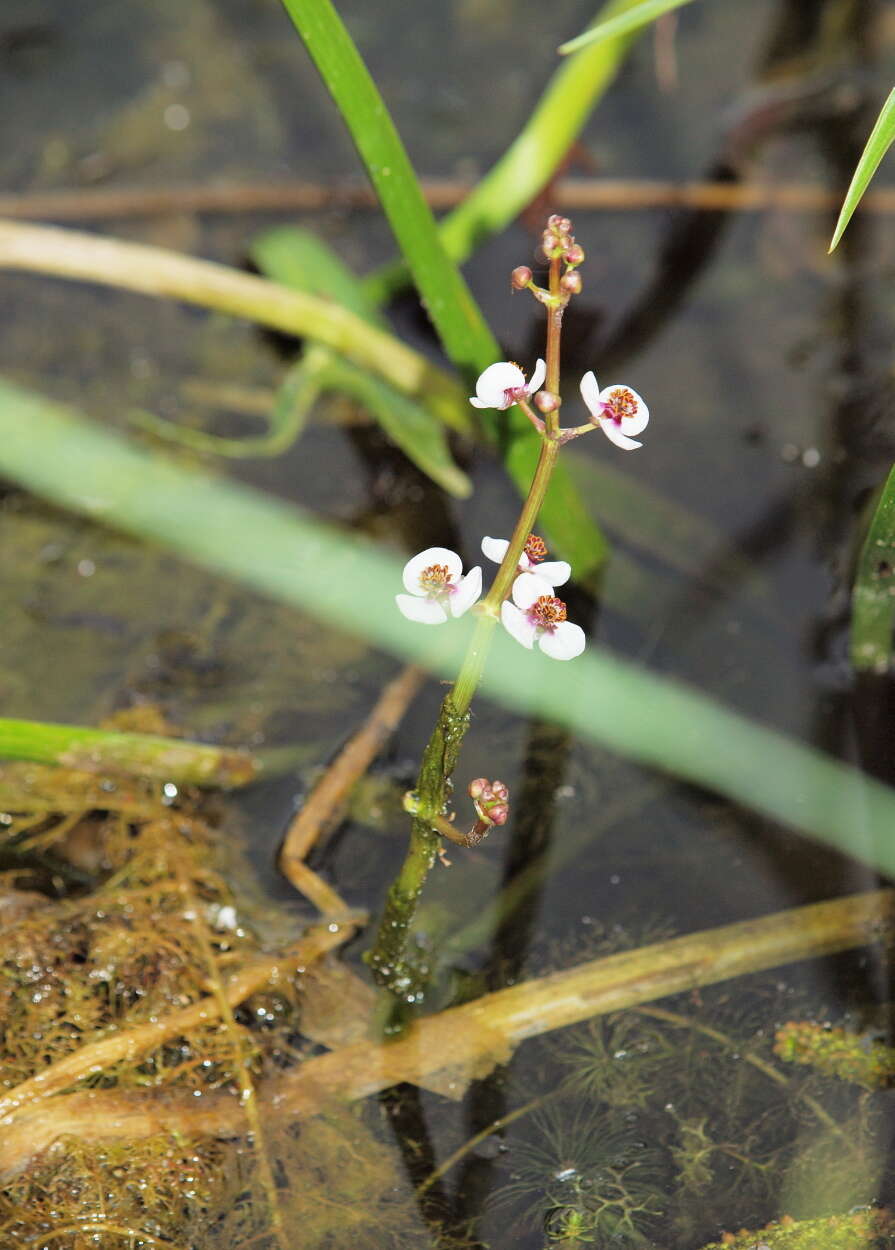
point(491, 799)
point(559, 247)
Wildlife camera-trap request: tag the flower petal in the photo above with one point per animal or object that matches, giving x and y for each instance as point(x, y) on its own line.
point(564, 642)
point(556, 572)
point(527, 589)
point(426, 611)
point(640, 420)
point(614, 434)
point(590, 393)
point(493, 384)
point(517, 624)
point(536, 381)
point(495, 548)
point(477, 403)
point(469, 588)
point(432, 555)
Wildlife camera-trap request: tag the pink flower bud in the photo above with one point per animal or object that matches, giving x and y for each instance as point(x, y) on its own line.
point(498, 813)
point(570, 284)
point(559, 224)
point(477, 788)
point(574, 255)
point(546, 401)
point(499, 790)
point(520, 277)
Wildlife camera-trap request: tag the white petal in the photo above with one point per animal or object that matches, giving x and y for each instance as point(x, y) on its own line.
point(614, 434)
point(590, 393)
point(527, 589)
point(556, 572)
point(432, 555)
point(495, 548)
point(546, 587)
point(536, 381)
point(468, 591)
point(564, 642)
point(497, 379)
point(477, 403)
point(426, 611)
point(630, 425)
point(517, 624)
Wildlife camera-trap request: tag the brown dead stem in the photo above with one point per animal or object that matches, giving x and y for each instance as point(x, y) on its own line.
point(470, 1038)
point(569, 194)
point(325, 802)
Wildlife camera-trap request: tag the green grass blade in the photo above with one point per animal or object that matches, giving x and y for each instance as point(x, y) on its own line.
point(447, 299)
point(300, 260)
point(877, 146)
point(449, 302)
point(406, 423)
point(350, 584)
point(873, 594)
point(530, 161)
point(624, 24)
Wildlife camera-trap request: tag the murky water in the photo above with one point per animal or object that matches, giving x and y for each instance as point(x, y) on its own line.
point(768, 371)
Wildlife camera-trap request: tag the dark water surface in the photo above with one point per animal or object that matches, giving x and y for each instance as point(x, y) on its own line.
point(767, 367)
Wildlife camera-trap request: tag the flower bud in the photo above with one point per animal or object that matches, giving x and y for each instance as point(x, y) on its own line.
point(546, 401)
point(520, 277)
point(477, 788)
point(574, 255)
point(559, 224)
point(570, 283)
point(498, 813)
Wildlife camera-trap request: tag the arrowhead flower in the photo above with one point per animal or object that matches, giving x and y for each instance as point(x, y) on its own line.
point(617, 410)
point(551, 572)
point(537, 617)
point(503, 385)
point(437, 588)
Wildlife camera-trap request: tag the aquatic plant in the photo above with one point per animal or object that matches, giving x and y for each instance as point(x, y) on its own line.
point(523, 601)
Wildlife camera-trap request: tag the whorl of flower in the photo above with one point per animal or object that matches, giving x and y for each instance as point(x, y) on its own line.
point(536, 617)
point(551, 572)
point(437, 588)
point(503, 385)
point(617, 410)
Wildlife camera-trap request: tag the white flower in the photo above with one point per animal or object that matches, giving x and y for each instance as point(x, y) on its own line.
point(617, 410)
point(551, 572)
point(437, 588)
point(536, 617)
point(504, 384)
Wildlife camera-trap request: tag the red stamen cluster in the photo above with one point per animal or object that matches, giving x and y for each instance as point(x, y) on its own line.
point(535, 548)
point(434, 579)
point(620, 405)
point(547, 612)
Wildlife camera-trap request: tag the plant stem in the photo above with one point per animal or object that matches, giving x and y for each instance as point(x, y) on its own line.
point(388, 957)
point(133, 754)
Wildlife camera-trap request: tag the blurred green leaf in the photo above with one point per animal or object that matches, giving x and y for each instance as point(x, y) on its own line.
point(877, 146)
point(529, 162)
point(447, 299)
point(300, 260)
point(625, 24)
point(873, 594)
point(350, 585)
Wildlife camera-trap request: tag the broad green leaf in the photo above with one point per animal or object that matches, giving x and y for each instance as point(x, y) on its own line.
point(877, 146)
point(530, 161)
point(447, 299)
point(406, 423)
point(873, 594)
point(303, 261)
point(349, 584)
point(625, 24)
point(300, 260)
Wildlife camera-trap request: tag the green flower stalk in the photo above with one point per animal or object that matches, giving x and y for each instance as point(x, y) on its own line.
point(521, 597)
